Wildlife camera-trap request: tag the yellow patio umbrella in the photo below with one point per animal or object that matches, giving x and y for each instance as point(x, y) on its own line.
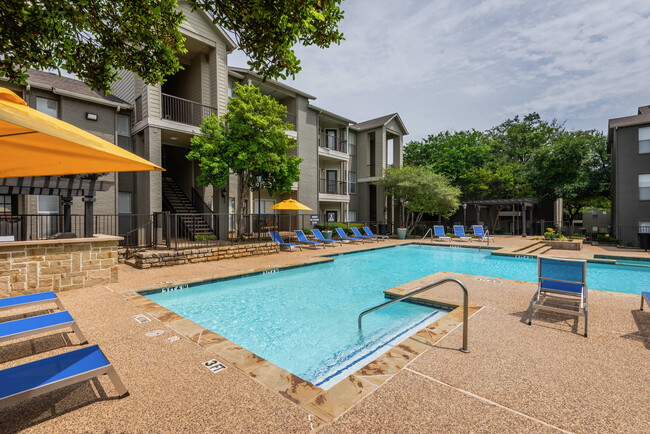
point(290, 205)
point(35, 144)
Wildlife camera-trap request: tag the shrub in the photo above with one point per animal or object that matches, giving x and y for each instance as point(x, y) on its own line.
point(307, 231)
point(332, 226)
point(205, 237)
point(606, 239)
point(550, 234)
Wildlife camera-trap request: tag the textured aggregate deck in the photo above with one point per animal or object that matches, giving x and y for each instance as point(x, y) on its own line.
point(518, 378)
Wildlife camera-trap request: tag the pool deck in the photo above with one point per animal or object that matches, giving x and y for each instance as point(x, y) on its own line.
point(518, 378)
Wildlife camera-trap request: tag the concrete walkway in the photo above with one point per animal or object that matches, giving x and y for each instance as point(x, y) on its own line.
point(518, 378)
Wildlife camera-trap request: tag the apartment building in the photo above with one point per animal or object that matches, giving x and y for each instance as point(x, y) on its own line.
point(628, 142)
point(341, 158)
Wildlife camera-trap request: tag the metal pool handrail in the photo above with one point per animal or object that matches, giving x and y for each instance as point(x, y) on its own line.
point(425, 235)
point(464, 348)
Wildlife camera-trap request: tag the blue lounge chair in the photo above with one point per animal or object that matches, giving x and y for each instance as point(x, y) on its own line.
point(358, 234)
point(645, 295)
point(562, 287)
point(479, 232)
point(39, 324)
point(275, 236)
point(439, 231)
point(342, 236)
point(370, 234)
point(302, 239)
point(45, 375)
point(30, 300)
point(459, 231)
point(320, 237)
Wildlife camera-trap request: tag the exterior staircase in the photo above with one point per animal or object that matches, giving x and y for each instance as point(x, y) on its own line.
point(178, 203)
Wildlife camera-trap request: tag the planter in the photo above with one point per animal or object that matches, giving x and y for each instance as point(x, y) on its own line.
point(563, 245)
point(327, 234)
point(401, 233)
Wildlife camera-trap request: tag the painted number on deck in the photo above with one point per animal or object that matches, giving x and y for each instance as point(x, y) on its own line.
point(270, 271)
point(214, 365)
point(174, 288)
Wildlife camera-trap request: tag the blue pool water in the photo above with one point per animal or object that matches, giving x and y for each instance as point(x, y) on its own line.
point(305, 319)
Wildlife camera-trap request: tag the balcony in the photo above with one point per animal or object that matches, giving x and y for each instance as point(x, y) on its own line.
point(332, 143)
point(184, 111)
point(291, 118)
point(330, 186)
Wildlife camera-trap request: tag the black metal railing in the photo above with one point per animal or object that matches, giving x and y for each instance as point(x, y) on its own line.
point(371, 170)
point(334, 143)
point(330, 186)
point(184, 111)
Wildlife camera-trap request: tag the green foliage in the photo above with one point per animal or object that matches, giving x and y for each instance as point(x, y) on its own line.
point(250, 141)
point(422, 190)
point(267, 31)
point(332, 227)
point(92, 39)
point(551, 234)
point(521, 157)
point(306, 231)
point(606, 239)
point(205, 237)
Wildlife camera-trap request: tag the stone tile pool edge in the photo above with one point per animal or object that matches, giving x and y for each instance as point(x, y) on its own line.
point(326, 405)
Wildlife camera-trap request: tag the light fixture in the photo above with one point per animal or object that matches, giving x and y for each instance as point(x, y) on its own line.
point(173, 138)
point(223, 193)
point(91, 116)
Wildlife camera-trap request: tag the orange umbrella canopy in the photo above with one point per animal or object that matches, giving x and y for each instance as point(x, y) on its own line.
point(290, 204)
point(35, 144)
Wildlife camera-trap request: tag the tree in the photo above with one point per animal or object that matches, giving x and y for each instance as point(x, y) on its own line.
point(93, 39)
point(249, 140)
point(422, 190)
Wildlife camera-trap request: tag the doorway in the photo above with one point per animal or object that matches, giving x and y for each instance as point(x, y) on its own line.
point(330, 176)
point(330, 137)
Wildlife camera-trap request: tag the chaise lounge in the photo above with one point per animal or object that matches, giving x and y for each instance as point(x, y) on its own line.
point(358, 234)
point(479, 232)
point(275, 236)
point(30, 300)
point(41, 376)
point(439, 231)
point(320, 237)
point(371, 234)
point(344, 237)
point(35, 325)
point(459, 231)
point(302, 239)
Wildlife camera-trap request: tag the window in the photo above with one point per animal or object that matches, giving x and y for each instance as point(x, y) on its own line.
point(644, 227)
point(644, 187)
point(265, 204)
point(644, 140)
point(389, 153)
point(352, 141)
point(352, 182)
point(47, 106)
point(231, 87)
point(352, 216)
point(124, 202)
point(124, 132)
point(594, 215)
point(6, 207)
point(47, 223)
point(48, 204)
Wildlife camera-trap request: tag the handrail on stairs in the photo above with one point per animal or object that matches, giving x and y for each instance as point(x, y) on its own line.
point(425, 235)
point(464, 348)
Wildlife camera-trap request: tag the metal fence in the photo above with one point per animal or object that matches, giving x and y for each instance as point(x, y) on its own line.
point(184, 111)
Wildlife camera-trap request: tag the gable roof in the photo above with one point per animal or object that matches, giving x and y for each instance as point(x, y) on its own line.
point(330, 114)
point(52, 81)
point(236, 72)
point(643, 117)
point(379, 122)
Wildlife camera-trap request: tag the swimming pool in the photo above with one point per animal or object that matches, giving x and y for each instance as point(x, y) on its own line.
point(304, 319)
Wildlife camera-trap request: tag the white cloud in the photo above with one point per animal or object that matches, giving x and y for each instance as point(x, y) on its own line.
point(459, 65)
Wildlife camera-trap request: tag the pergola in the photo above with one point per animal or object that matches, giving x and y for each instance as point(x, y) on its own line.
point(523, 203)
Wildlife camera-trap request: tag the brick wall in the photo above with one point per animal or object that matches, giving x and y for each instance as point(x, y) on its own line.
point(163, 258)
point(57, 265)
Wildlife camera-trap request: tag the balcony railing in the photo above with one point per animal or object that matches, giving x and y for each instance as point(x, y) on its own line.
point(332, 142)
point(185, 111)
point(329, 186)
point(371, 170)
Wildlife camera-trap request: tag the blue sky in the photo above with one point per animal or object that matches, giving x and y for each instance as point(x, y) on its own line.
point(453, 65)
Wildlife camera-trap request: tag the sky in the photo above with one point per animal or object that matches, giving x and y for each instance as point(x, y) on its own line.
point(456, 65)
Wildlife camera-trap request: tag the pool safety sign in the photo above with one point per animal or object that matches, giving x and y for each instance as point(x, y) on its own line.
point(215, 366)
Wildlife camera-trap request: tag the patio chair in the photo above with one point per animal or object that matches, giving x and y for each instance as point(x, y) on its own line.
point(645, 295)
point(320, 237)
point(459, 231)
point(358, 234)
point(30, 300)
point(302, 239)
point(562, 287)
point(39, 324)
point(370, 234)
point(479, 232)
point(45, 375)
point(275, 236)
point(439, 231)
point(343, 236)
